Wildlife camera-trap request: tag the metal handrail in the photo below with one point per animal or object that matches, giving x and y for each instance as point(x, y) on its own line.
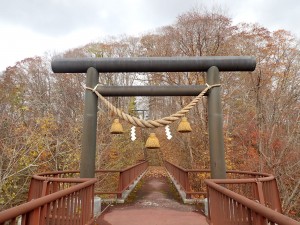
point(41, 176)
point(229, 207)
point(49, 187)
point(26, 208)
point(57, 179)
point(250, 207)
point(124, 180)
point(260, 177)
point(263, 176)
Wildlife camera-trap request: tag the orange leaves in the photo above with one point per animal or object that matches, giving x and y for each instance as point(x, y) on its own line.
point(252, 153)
point(277, 145)
point(113, 154)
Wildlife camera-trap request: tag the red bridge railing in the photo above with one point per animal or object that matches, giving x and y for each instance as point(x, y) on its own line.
point(229, 208)
point(73, 205)
point(62, 198)
point(109, 182)
point(233, 200)
point(123, 179)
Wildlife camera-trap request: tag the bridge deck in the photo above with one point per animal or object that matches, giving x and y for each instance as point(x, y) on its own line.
point(154, 201)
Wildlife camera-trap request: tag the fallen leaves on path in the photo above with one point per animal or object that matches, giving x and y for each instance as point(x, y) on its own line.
point(156, 171)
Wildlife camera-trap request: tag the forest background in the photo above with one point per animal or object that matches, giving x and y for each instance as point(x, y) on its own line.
point(41, 112)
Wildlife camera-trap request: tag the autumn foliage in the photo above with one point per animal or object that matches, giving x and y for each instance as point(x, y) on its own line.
point(41, 112)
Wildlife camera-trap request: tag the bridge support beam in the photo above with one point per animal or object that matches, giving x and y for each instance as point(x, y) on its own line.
point(215, 126)
point(88, 151)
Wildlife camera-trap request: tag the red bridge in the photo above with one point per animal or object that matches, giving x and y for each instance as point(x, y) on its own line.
point(63, 198)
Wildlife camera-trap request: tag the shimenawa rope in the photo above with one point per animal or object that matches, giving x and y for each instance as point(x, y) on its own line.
point(152, 123)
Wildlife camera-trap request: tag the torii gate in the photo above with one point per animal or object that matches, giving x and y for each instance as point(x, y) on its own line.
point(210, 64)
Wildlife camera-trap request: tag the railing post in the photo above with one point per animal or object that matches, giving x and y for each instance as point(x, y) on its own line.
point(34, 216)
point(120, 186)
point(212, 206)
point(31, 193)
point(88, 152)
point(54, 184)
point(187, 184)
point(260, 193)
point(208, 204)
point(274, 190)
point(215, 125)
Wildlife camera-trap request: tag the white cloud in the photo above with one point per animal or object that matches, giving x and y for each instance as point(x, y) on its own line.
point(18, 43)
point(32, 27)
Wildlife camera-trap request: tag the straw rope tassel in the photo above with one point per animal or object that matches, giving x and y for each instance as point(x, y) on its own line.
point(116, 127)
point(152, 142)
point(184, 126)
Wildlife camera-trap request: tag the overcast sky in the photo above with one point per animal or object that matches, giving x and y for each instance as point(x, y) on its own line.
point(32, 27)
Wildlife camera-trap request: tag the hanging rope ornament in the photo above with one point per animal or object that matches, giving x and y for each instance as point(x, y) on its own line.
point(184, 126)
point(152, 123)
point(132, 133)
point(152, 142)
point(168, 132)
point(116, 127)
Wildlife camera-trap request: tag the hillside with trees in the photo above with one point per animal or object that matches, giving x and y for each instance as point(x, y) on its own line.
point(41, 112)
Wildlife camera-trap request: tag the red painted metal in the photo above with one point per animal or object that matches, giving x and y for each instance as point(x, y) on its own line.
point(124, 178)
point(229, 208)
point(129, 175)
point(261, 187)
point(239, 200)
point(59, 198)
point(55, 208)
point(183, 176)
point(62, 198)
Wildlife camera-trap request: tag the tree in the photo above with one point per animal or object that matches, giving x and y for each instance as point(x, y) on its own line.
point(41, 112)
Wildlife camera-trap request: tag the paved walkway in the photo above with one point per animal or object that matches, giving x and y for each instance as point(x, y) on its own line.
point(154, 201)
